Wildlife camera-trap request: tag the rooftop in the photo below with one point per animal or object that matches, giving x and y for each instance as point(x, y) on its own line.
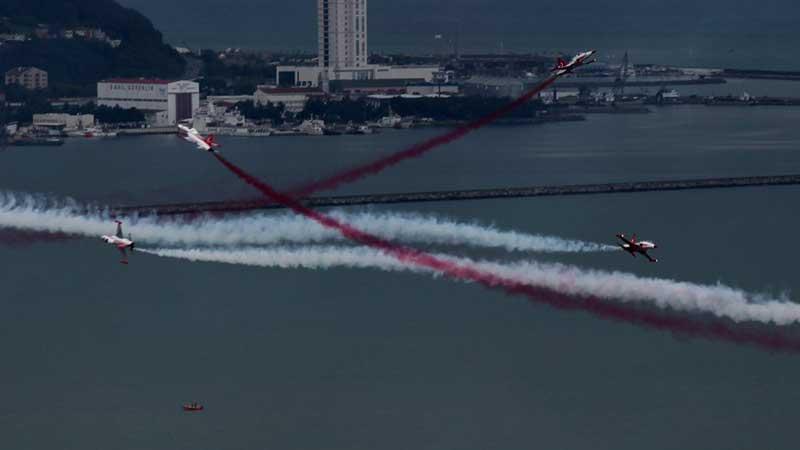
point(136, 81)
point(289, 90)
point(21, 70)
point(379, 83)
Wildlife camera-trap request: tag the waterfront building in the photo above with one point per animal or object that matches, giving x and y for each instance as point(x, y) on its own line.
point(63, 121)
point(163, 102)
point(432, 89)
point(554, 95)
point(294, 99)
point(376, 75)
point(299, 76)
point(501, 87)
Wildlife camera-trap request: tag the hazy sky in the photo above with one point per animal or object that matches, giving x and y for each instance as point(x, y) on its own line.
point(756, 13)
point(490, 24)
point(279, 17)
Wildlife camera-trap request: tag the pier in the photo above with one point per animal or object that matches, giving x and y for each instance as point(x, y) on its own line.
point(474, 194)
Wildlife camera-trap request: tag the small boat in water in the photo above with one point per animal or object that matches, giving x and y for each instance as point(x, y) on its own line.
point(192, 407)
point(94, 132)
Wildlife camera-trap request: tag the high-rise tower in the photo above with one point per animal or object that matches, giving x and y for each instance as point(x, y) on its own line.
point(342, 35)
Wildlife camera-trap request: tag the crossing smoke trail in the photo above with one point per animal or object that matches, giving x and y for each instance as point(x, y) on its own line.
point(420, 149)
point(429, 229)
point(30, 215)
point(356, 173)
point(46, 215)
point(553, 298)
point(721, 301)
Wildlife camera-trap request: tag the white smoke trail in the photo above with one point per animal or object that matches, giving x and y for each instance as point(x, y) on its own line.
point(719, 300)
point(29, 213)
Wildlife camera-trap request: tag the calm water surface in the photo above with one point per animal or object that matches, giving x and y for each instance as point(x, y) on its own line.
point(97, 355)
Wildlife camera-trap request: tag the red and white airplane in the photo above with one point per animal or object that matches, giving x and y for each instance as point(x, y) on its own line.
point(564, 67)
point(119, 241)
point(633, 246)
point(191, 135)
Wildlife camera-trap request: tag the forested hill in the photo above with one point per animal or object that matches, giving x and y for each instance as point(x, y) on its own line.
point(79, 61)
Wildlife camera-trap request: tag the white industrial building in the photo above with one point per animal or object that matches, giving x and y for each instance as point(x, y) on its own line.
point(431, 89)
point(551, 96)
point(299, 76)
point(164, 102)
point(313, 77)
point(64, 121)
point(294, 99)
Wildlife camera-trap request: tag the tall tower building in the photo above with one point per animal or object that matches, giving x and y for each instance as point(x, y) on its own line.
point(342, 35)
point(344, 58)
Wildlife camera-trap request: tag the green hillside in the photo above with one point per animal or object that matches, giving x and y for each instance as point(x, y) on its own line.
point(79, 63)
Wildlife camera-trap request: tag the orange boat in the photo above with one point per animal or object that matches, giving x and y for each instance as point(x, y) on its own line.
point(192, 407)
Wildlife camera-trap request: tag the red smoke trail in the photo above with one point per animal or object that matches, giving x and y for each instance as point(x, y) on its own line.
point(595, 306)
point(420, 149)
point(356, 173)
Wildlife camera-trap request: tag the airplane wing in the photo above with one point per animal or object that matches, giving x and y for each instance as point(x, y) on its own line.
point(627, 249)
point(119, 230)
point(624, 239)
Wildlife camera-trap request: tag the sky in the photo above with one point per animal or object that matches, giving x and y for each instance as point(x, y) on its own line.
point(277, 19)
point(749, 32)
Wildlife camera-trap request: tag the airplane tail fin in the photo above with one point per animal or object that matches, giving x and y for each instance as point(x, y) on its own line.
point(560, 63)
point(211, 140)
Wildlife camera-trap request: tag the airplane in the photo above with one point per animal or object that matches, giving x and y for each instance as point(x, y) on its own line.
point(633, 246)
point(120, 242)
point(191, 135)
point(193, 407)
point(564, 67)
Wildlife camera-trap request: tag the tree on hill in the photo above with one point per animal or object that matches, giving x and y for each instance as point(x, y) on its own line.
point(142, 53)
